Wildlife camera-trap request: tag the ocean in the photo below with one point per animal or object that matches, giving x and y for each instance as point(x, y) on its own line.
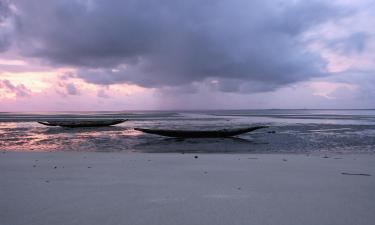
point(290, 131)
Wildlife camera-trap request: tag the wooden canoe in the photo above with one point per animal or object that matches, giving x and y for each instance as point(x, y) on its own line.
point(82, 123)
point(200, 133)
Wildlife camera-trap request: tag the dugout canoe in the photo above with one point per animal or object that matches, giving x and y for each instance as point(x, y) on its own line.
point(200, 133)
point(82, 123)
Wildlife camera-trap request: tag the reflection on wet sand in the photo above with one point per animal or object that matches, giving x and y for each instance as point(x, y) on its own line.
point(199, 145)
point(28, 137)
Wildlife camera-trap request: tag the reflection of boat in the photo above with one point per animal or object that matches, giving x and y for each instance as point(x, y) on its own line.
point(200, 133)
point(82, 123)
point(198, 145)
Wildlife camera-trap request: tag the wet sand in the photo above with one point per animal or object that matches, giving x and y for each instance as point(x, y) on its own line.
point(119, 188)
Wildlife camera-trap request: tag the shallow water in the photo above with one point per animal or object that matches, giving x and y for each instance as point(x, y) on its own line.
point(291, 131)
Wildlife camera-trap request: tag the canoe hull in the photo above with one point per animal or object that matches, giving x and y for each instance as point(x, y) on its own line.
point(82, 123)
point(200, 134)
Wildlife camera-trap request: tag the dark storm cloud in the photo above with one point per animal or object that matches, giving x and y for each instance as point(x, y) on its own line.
point(5, 13)
point(157, 43)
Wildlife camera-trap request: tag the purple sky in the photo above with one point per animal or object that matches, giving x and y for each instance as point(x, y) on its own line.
point(170, 54)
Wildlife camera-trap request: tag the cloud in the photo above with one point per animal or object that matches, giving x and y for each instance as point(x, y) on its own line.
point(71, 89)
point(354, 43)
point(65, 89)
point(248, 46)
point(5, 25)
point(102, 94)
point(19, 90)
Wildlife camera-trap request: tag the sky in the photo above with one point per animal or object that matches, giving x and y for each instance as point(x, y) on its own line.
point(73, 55)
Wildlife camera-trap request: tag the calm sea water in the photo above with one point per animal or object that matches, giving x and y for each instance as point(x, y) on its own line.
point(291, 131)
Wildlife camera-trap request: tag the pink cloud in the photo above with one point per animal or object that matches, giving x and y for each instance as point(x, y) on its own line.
point(19, 90)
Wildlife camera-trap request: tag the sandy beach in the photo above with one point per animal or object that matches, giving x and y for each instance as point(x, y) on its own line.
point(119, 188)
point(163, 112)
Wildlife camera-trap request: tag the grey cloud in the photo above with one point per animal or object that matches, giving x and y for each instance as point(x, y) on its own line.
point(5, 14)
point(4, 42)
point(67, 76)
point(71, 89)
point(363, 94)
point(191, 88)
point(19, 90)
point(4, 10)
point(102, 94)
point(232, 85)
point(159, 43)
point(354, 43)
point(65, 88)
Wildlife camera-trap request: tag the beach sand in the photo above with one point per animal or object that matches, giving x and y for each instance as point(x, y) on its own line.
point(173, 189)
